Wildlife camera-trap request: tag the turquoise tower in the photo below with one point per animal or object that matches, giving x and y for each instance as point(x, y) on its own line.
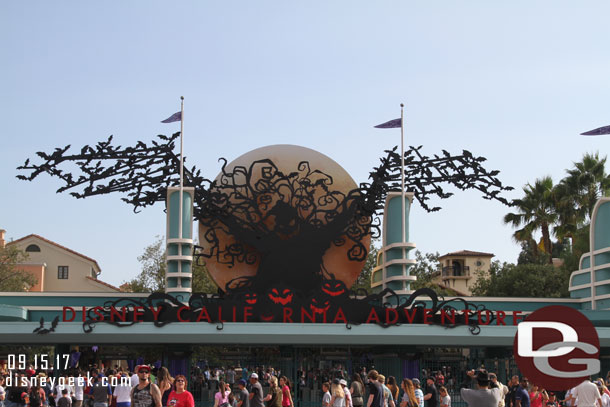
point(179, 273)
point(393, 262)
point(592, 280)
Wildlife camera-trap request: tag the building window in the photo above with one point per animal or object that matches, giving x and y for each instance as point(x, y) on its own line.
point(62, 272)
point(32, 248)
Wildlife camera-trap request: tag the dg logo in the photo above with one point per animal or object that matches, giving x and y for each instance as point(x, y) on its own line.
point(557, 347)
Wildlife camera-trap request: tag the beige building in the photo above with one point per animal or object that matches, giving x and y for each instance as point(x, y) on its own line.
point(58, 268)
point(460, 270)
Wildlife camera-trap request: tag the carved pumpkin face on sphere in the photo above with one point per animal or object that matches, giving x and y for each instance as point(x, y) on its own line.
point(280, 296)
point(334, 288)
point(250, 298)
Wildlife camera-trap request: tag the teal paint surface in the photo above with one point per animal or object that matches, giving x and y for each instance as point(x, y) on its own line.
point(172, 266)
point(603, 274)
point(394, 271)
point(187, 250)
point(602, 227)
point(174, 215)
point(13, 313)
point(172, 282)
point(377, 276)
point(585, 262)
point(395, 285)
point(172, 249)
point(602, 289)
point(581, 293)
point(186, 266)
point(393, 232)
point(602, 258)
point(581, 279)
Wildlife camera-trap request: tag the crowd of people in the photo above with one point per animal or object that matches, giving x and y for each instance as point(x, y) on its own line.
point(267, 387)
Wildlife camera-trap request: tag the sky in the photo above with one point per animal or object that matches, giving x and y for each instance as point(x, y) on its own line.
point(513, 81)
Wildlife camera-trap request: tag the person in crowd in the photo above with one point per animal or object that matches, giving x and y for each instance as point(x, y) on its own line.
point(286, 394)
point(36, 396)
point(408, 398)
point(431, 395)
point(326, 397)
point(348, 394)
point(101, 395)
point(394, 389)
point(243, 399)
point(388, 401)
point(494, 382)
point(375, 390)
point(419, 394)
point(337, 394)
point(180, 396)
point(274, 397)
point(483, 395)
point(522, 397)
point(537, 396)
point(221, 398)
point(256, 391)
point(587, 394)
point(121, 395)
point(2, 391)
point(165, 382)
point(552, 401)
point(513, 385)
point(357, 390)
point(65, 400)
point(79, 391)
point(445, 398)
point(603, 391)
point(145, 393)
point(230, 376)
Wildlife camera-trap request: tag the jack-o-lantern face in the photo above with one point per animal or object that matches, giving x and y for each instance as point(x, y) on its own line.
point(281, 296)
point(334, 288)
point(250, 298)
point(319, 305)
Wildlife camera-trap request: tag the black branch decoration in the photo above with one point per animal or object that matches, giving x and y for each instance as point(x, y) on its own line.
point(277, 221)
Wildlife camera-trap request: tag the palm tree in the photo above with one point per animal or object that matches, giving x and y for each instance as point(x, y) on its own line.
point(578, 192)
point(536, 211)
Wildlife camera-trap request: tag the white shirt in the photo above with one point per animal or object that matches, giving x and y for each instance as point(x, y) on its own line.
point(605, 400)
point(122, 393)
point(348, 397)
point(134, 380)
point(78, 390)
point(587, 394)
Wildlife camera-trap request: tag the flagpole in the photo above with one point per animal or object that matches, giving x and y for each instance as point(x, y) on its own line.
point(181, 167)
point(402, 172)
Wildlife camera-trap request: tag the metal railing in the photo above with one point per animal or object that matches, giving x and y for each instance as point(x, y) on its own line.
point(453, 271)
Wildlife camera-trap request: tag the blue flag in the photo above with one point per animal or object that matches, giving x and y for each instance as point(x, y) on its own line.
point(390, 125)
point(597, 132)
point(176, 117)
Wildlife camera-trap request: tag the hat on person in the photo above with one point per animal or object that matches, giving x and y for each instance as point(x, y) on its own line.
point(254, 376)
point(140, 367)
point(336, 381)
point(431, 378)
point(482, 377)
point(416, 381)
point(342, 382)
point(242, 382)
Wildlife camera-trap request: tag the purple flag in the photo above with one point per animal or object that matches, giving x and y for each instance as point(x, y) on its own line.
point(176, 117)
point(390, 125)
point(597, 132)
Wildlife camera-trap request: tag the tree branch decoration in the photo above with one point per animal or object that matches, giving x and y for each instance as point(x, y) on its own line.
point(279, 221)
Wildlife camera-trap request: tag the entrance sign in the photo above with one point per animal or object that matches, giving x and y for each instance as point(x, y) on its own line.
point(283, 230)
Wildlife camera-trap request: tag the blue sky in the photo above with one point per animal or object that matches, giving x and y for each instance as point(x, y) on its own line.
point(513, 81)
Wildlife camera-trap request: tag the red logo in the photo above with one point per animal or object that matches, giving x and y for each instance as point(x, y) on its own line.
point(557, 347)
